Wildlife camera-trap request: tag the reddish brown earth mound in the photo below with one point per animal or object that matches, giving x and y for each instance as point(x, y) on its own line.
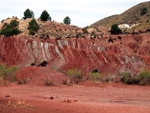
point(40, 75)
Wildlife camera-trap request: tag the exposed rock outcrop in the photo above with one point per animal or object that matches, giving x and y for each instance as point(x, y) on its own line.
point(86, 54)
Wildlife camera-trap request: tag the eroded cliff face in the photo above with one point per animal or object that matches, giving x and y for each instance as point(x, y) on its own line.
point(128, 54)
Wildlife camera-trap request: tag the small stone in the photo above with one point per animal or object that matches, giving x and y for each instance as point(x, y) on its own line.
point(68, 101)
point(7, 96)
point(57, 109)
point(75, 100)
point(51, 98)
point(64, 101)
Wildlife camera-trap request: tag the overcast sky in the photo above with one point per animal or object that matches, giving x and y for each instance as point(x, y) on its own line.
point(81, 12)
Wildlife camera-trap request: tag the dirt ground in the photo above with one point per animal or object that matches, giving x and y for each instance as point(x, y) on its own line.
point(105, 98)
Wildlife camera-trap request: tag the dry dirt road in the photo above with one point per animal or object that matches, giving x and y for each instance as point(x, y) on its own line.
point(101, 99)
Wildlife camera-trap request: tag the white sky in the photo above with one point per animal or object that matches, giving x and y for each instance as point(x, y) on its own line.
point(81, 12)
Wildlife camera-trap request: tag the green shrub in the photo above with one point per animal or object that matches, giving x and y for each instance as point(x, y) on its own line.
point(59, 70)
point(8, 73)
point(9, 32)
point(147, 21)
point(95, 76)
point(75, 73)
point(141, 79)
point(115, 29)
point(14, 23)
point(144, 11)
point(111, 78)
point(144, 77)
point(126, 77)
point(33, 27)
point(145, 74)
point(10, 29)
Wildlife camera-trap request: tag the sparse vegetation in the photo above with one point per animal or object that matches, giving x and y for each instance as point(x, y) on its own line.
point(127, 78)
point(78, 35)
point(67, 82)
point(141, 79)
point(48, 82)
point(19, 103)
point(23, 80)
point(59, 70)
point(51, 67)
point(144, 77)
point(8, 73)
point(85, 30)
point(75, 73)
point(94, 76)
point(112, 78)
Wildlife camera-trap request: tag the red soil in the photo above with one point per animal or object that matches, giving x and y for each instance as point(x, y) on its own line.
point(103, 99)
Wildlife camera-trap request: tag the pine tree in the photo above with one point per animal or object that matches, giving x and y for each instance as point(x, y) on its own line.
point(67, 20)
point(45, 16)
point(115, 29)
point(33, 27)
point(28, 14)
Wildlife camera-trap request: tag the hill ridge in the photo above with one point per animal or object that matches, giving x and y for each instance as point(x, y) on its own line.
point(130, 17)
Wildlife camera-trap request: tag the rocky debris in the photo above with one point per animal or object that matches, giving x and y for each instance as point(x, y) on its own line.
point(124, 27)
point(70, 100)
